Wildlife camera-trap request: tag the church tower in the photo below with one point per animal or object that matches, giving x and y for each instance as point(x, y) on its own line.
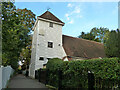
point(46, 42)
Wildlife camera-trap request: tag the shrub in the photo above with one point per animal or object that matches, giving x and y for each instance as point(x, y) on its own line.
point(53, 66)
point(75, 73)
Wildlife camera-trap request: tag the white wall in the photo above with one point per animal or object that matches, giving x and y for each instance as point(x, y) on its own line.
point(5, 73)
point(33, 53)
point(42, 35)
point(50, 34)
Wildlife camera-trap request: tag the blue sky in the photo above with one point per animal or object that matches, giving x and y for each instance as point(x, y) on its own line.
point(78, 16)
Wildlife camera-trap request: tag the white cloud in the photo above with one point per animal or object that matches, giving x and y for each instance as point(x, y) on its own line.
point(71, 22)
point(70, 5)
point(76, 10)
point(67, 16)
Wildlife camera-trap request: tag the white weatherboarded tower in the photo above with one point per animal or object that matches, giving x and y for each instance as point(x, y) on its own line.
point(46, 42)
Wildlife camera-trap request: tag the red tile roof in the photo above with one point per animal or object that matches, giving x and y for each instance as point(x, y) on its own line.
point(48, 15)
point(78, 47)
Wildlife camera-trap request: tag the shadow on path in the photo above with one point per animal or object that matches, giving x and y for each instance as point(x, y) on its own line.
point(20, 81)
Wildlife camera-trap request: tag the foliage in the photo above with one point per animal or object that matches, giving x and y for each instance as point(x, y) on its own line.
point(99, 33)
point(118, 42)
point(27, 17)
point(15, 32)
point(53, 65)
point(25, 56)
point(74, 73)
point(112, 44)
point(96, 34)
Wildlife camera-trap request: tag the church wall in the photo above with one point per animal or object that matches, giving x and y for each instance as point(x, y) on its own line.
point(33, 54)
point(48, 34)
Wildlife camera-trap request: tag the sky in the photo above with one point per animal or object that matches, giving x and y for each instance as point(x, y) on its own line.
point(78, 16)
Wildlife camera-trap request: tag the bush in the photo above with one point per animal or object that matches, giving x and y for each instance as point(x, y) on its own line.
point(53, 66)
point(75, 73)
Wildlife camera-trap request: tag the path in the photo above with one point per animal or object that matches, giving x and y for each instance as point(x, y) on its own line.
point(20, 81)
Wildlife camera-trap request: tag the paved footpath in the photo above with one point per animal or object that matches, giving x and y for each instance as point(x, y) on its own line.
point(20, 81)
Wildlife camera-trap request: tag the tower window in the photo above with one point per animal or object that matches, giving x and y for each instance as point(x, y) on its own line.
point(41, 58)
point(48, 58)
point(51, 24)
point(50, 44)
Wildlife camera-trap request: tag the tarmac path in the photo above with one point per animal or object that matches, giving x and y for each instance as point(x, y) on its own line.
point(21, 81)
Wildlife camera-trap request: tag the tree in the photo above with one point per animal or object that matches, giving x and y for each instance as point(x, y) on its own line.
point(111, 44)
point(96, 34)
point(118, 30)
point(8, 25)
point(15, 32)
point(88, 36)
point(99, 33)
point(25, 56)
point(82, 35)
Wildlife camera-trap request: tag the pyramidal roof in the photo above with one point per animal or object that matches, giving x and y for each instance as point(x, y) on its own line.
point(48, 15)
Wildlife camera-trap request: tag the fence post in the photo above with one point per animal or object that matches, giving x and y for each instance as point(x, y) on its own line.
point(47, 72)
point(91, 81)
point(60, 80)
point(36, 74)
point(39, 74)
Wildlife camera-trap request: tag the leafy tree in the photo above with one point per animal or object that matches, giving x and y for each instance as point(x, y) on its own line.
point(99, 33)
point(118, 30)
point(27, 18)
point(15, 32)
point(8, 25)
point(88, 36)
point(96, 34)
point(25, 55)
point(111, 44)
point(82, 35)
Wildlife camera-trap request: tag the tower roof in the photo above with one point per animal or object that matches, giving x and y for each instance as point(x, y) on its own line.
point(48, 15)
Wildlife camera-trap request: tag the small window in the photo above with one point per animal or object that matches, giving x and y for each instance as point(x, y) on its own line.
point(44, 64)
point(51, 24)
point(48, 58)
point(41, 58)
point(50, 44)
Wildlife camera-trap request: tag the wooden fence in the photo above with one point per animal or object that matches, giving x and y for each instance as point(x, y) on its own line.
point(42, 76)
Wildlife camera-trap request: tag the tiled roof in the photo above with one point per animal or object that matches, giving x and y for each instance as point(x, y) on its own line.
point(78, 47)
point(48, 15)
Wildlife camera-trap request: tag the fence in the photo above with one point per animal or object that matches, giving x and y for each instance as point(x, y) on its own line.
point(58, 80)
point(41, 75)
point(5, 73)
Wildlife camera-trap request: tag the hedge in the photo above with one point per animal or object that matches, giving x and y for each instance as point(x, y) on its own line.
point(74, 73)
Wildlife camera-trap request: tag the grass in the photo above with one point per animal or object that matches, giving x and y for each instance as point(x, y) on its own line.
point(51, 87)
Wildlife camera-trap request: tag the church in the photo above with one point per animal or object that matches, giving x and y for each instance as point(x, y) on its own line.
point(48, 42)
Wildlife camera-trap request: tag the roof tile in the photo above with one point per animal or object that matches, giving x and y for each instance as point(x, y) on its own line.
point(78, 47)
point(48, 15)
